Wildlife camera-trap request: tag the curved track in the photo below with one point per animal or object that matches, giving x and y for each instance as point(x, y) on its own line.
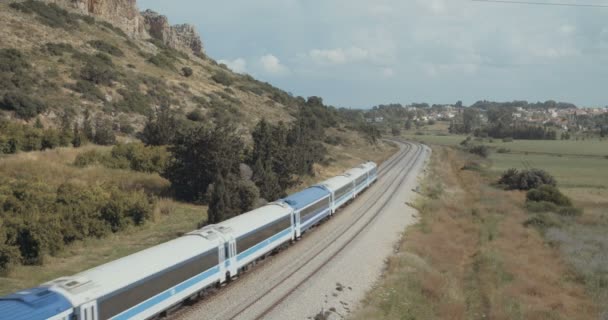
point(260, 291)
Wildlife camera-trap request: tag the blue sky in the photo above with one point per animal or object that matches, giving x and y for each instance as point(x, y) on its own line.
point(360, 53)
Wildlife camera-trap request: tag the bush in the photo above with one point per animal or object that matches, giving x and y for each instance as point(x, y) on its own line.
point(570, 211)
point(162, 61)
point(106, 48)
point(25, 107)
point(550, 194)
point(541, 206)
point(526, 180)
point(13, 60)
point(472, 166)
point(88, 90)
point(9, 257)
point(480, 150)
point(58, 49)
point(99, 69)
point(187, 72)
point(223, 78)
point(49, 14)
point(133, 100)
point(104, 132)
point(503, 150)
point(195, 115)
point(134, 156)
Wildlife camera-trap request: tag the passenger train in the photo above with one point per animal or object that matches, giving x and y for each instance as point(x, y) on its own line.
point(148, 283)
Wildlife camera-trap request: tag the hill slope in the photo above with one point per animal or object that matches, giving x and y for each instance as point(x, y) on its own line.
point(55, 60)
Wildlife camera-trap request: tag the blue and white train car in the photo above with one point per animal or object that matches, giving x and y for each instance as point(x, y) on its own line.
point(360, 176)
point(372, 171)
point(36, 304)
point(253, 234)
point(341, 189)
point(146, 283)
point(310, 206)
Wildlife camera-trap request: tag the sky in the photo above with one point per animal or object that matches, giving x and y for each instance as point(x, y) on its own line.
point(361, 53)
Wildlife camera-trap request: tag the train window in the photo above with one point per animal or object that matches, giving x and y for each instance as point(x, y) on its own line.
point(360, 180)
point(342, 191)
point(311, 211)
point(253, 238)
point(120, 301)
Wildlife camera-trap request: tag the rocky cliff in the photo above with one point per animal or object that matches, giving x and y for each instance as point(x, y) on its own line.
point(125, 15)
point(184, 36)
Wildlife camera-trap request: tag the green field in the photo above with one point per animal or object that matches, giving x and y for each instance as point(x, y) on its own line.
point(581, 170)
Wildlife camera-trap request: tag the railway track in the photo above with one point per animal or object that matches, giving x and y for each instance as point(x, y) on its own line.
point(376, 197)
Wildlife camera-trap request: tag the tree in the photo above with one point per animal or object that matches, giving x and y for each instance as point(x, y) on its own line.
point(219, 204)
point(470, 119)
point(198, 156)
point(77, 137)
point(88, 126)
point(160, 128)
point(104, 132)
point(408, 124)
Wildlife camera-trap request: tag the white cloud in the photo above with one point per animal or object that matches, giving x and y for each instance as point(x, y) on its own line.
point(388, 72)
point(338, 55)
point(567, 29)
point(272, 65)
point(238, 65)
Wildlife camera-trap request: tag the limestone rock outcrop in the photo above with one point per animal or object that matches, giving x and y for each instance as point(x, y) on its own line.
point(121, 13)
point(183, 36)
point(125, 15)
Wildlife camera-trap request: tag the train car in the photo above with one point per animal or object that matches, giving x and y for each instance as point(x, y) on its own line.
point(341, 189)
point(310, 206)
point(360, 176)
point(256, 233)
point(39, 303)
point(146, 283)
point(372, 171)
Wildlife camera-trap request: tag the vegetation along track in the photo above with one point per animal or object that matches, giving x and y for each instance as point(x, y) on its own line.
point(378, 197)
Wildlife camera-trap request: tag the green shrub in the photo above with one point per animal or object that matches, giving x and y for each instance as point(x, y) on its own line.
point(114, 29)
point(49, 14)
point(570, 211)
point(223, 78)
point(480, 150)
point(187, 72)
point(25, 106)
point(106, 48)
point(13, 60)
point(88, 90)
point(142, 158)
point(503, 150)
point(58, 49)
point(99, 69)
point(133, 100)
point(541, 206)
point(548, 193)
point(9, 257)
point(512, 179)
point(104, 132)
point(195, 115)
point(162, 61)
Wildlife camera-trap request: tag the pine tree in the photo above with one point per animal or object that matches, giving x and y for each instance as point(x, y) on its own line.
point(77, 137)
point(218, 206)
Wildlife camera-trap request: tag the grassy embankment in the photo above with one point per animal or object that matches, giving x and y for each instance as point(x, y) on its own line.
point(581, 170)
point(171, 218)
point(471, 257)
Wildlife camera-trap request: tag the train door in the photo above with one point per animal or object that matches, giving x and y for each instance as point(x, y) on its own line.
point(88, 311)
point(230, 249)
point(296, 224)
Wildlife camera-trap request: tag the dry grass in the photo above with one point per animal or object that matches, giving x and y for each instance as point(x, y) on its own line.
point(471, 258)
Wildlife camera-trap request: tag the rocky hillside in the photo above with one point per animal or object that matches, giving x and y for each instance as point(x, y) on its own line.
point(65, 57)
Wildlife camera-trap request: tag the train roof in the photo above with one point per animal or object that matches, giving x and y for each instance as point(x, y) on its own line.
point(107, 278)
point(33, 304)
point(252, 220)
point(336, 183)
point(305, 197)
point(357, 172)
